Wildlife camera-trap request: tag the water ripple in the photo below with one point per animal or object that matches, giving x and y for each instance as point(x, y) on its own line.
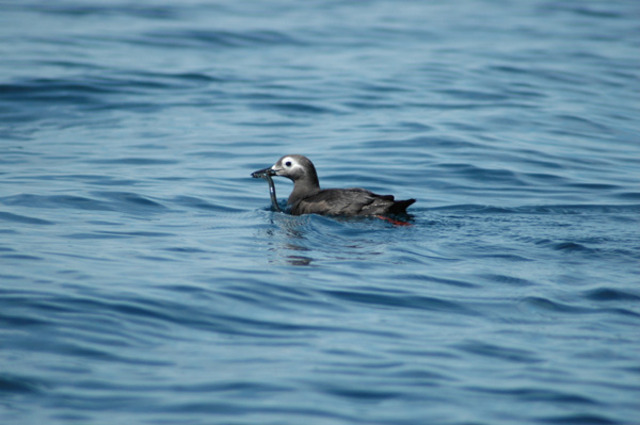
point(23, 219)
point(12, 384)
point(55, 201)
point(412, 302)
point(510, 354)
point(216, 38)
point(611, 294)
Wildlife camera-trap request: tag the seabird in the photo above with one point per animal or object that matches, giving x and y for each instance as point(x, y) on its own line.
point(308, 198)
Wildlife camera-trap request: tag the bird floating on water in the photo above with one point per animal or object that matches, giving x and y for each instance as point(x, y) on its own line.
point(308, 198)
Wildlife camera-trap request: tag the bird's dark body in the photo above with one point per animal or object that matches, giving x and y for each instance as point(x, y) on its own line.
point(308, 198)
point(351, 202)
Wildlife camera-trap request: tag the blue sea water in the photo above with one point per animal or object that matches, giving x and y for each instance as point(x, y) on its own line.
point(144, 278)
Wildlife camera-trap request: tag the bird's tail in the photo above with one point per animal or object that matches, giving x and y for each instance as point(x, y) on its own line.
point(400, 207)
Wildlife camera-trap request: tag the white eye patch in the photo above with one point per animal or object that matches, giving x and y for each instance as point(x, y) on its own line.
point(289, 163)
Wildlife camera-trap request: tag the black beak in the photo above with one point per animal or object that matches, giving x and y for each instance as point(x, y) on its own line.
point(264, 172)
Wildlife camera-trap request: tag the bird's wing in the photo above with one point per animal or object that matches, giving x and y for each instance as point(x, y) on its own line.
point(353, 201)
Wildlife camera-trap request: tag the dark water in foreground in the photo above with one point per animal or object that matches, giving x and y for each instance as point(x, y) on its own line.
point(144, 280)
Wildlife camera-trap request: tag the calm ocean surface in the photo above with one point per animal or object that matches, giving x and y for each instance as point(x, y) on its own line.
point(145, 280)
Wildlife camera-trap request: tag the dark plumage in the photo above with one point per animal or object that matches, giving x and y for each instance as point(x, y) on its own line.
point(308, 198)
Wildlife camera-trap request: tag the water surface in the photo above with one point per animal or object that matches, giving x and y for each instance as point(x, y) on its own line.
point(144, 278)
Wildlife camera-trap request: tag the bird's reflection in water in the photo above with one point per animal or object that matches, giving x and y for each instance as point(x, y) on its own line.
point(298, 260)
point(289, 235)
point(303, 240)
